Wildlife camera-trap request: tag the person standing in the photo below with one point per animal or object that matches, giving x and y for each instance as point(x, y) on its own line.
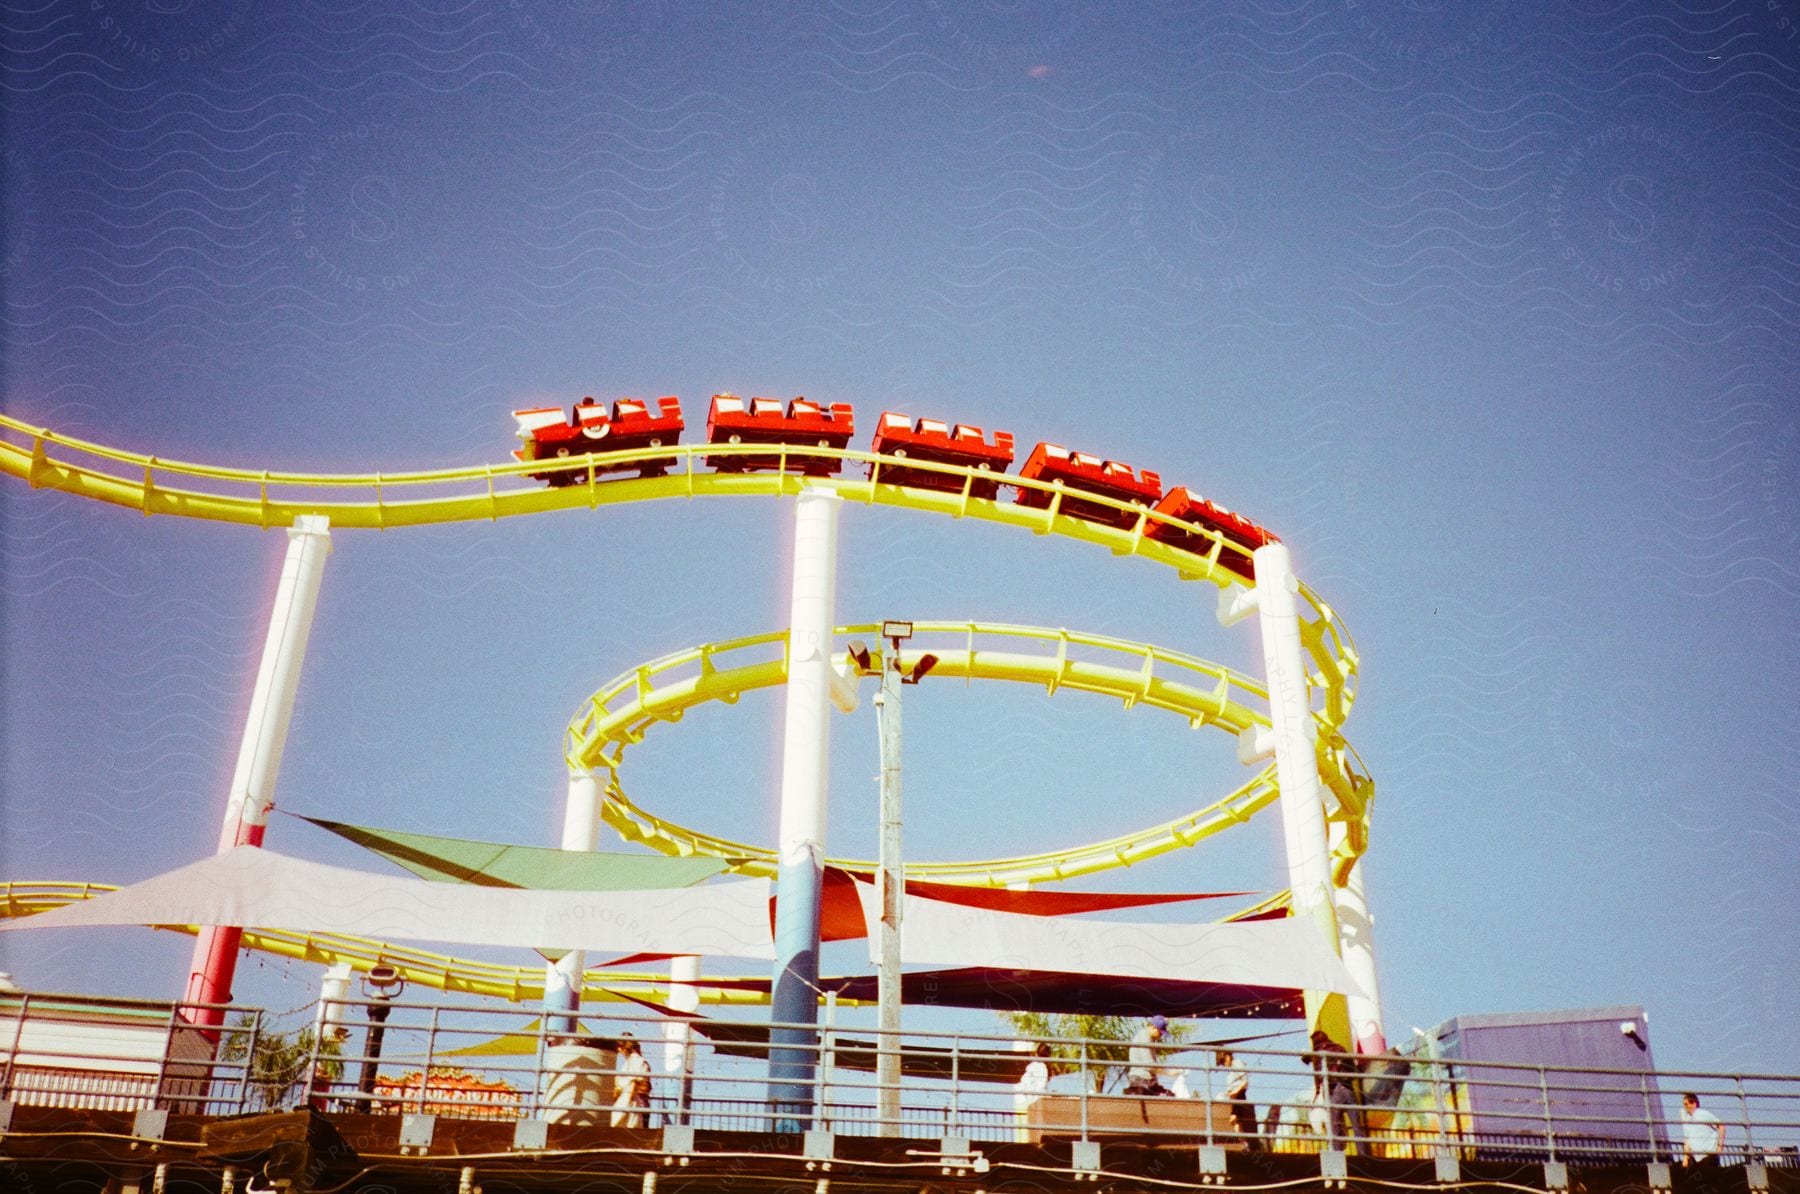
point(632, 1082)
point(1030, 1087)
point(1334, 1087)
point(1142, 1059)
point(1702, 1135)
point(1237, 1098)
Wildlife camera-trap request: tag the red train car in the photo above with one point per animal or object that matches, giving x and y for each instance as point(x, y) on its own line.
point(1240, 534)
point(591, 427)
point(1090, 474)
point(931, 439)
point(734, 420)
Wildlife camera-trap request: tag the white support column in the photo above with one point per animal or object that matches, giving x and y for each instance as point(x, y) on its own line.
point(1292, 735)
point(252, 792)
point(1357, 945)
point(581, 831)
point(678, 1038)
point(805, 759)
point(1292, 731)
point(277, 680)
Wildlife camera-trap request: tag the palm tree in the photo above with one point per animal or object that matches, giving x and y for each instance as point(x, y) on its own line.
point(279, 1061)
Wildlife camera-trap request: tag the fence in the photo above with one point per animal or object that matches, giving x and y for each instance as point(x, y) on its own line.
point(387, 1057)
point(123, 1054)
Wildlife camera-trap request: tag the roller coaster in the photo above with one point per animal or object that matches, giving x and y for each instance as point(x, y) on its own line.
point(597, 456)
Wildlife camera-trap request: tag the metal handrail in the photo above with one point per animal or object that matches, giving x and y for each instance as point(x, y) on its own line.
point(1436, 1106)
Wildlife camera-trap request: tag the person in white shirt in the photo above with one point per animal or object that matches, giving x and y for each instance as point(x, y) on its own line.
point(1237, 1097)
point(1143, 1061)
point(633, 1085)
point(1030, 1087)
point(1702, 1135)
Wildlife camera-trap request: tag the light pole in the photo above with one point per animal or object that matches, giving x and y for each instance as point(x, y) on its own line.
point(891, 884)
point(383, 985)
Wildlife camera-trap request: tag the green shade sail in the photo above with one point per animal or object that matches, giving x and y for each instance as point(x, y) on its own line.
point(539, 868)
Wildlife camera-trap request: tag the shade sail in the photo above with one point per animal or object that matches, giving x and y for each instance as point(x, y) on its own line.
point(1287, 953)
point(496, 864)
point(841, 915)
point(259, 888)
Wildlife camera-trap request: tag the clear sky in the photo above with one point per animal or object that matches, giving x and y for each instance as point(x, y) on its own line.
point(1485, 308)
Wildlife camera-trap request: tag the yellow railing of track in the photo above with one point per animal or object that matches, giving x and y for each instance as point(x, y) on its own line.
point(621, 712)
point(382, 501)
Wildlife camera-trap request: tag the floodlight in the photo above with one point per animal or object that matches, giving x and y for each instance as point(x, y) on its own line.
point(896, 630)
point(919, 669)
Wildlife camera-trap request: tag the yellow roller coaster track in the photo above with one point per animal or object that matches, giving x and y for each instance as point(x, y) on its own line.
point(385, 501)
point(620, 713)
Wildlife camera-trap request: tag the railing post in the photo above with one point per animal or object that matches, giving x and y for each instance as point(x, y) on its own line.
point(1549, 1123)
point(1744, 1106)
point(955, 1077)
point(162, 1064)
point(1086, 1080)
point(431, 1032)
point(6, 1076)
point(1649, 1114)
point(1211, 1066)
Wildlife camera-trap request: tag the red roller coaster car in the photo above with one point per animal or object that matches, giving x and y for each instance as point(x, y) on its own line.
point(734, 420)
point(1089, 474)
point(931, 439)
point(591, 428)
point(1240, 534)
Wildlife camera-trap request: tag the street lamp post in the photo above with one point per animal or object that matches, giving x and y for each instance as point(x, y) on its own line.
point(383, 985)
point(890, 883)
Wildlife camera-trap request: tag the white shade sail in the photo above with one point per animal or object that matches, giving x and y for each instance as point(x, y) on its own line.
point(1288, 952)
point(258, 888)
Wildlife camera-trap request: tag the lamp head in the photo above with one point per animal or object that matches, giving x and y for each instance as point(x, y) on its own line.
point(384, 980)
point(921, 668)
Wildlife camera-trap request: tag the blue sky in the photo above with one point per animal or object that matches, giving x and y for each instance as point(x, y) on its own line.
point(1486, 309)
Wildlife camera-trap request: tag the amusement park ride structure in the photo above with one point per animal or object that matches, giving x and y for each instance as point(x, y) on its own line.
point(1293, 718)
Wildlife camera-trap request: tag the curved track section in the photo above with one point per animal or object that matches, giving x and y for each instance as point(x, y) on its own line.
point(383, 501)
point(620, 714)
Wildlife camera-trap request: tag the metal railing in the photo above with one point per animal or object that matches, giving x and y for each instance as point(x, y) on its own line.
point(107, 1054)
point(500, 1063)
point(962, 1084)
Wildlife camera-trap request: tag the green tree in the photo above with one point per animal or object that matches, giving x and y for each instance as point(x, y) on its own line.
point(279, 1061)
point(1108, 1037)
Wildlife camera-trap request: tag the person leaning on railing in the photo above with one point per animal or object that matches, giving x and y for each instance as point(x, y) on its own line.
point(1334, 1085)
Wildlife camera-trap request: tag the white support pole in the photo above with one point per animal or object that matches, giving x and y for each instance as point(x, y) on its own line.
point(1292, 735)
point(563, 978)
point(891, 887)
point(1357, 945)
point(1291, 729)
point(678, 1038)
point(805, 758)
point(252, 792)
